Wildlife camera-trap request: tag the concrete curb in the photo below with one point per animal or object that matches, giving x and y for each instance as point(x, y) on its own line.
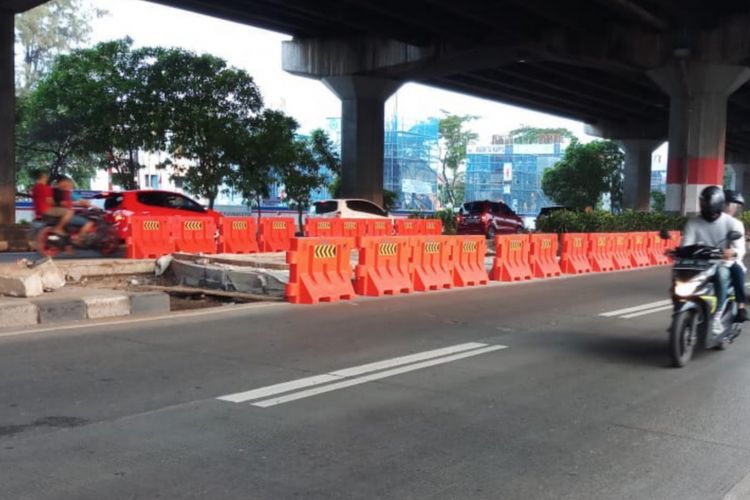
point(50, 310)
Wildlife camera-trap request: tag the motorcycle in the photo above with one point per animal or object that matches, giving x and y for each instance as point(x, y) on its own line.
point(102, 237)
point(695, 301)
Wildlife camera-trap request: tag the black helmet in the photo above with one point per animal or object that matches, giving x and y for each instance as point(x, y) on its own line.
point(734, 197)
point(712, 203)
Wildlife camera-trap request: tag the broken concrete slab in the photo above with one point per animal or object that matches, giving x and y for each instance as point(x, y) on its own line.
point(15, 313)
point(52, 277)
point(16, 281)
point(230, 278)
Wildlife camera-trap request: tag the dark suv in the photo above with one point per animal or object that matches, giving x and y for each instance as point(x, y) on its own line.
point(488, 218)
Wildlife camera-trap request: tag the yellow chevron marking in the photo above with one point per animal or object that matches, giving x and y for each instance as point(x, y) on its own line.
point(349, 225)
point(324, 224)
point(239, 224)
point(277, 224)
point(515, 245)
point(387, 249)
point(193, 225)
point(432, 247)
point(546, 244)
point(470, 246)
point(325, 251)
point(151, 225)
point(602, 242)
point(577, 242)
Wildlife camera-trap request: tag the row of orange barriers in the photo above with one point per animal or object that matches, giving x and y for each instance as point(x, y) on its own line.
point(521, 257)
point(151, 237)
point(320, 268)
point(357, 228)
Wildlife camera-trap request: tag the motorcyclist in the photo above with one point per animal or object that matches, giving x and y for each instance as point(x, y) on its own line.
point(64, 197)
point(711, 228)
point(734, 201)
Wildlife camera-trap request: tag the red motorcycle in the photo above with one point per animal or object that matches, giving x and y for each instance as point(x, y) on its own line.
point(102, 237)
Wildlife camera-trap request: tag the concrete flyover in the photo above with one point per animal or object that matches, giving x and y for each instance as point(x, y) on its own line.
point(636, 71)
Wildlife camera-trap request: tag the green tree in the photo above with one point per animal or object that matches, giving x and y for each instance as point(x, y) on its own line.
point(390, 198)
point(585, 173)
point(47, 31)
point(526, 134)
point(658, 201)
point(267, 146)
point(452, 153)
point(210, 107)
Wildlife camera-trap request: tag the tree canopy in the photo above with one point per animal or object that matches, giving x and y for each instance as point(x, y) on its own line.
point(585, 173)
point(454, 138)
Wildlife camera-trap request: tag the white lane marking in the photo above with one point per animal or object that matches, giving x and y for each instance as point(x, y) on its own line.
point(271, 390)
point(650, 311)
point(620, 312)
point(369, 378)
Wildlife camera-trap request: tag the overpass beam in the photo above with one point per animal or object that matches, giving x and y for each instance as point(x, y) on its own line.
point(637, 180)
point(362, 133)
point(698, 95)
point(7, 120)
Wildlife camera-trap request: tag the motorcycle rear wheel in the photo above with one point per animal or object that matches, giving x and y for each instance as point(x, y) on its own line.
point(683, 337)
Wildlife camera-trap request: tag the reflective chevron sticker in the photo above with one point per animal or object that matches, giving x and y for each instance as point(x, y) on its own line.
point(515, 245)
point(546, 244)
point(431, 247)
point(601, 241)
point(577, 242)
point(325, 251)
point(151, 225)
point(278, 224)
point(239, 224)
point(387, 249)
point(350, 225)
point(324, 224)
point(193, 225)
point(470, 246)
point(380, 225)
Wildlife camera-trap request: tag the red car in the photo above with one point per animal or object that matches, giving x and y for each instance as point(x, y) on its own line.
point(488, 218)
point(120, 205)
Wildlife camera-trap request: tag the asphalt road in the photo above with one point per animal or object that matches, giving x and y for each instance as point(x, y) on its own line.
point(501, 392)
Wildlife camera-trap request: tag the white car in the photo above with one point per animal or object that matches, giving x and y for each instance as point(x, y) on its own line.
point(348, 209)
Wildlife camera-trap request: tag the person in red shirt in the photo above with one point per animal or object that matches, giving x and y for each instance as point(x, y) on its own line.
point(64, 198)
point(44, 205)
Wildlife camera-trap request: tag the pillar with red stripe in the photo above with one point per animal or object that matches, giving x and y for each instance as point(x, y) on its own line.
point(698, 94)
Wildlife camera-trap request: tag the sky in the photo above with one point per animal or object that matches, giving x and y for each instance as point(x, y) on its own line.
point(309, 101)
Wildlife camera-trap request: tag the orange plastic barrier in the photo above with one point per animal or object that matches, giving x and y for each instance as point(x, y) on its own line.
point(353, 228)
point(575, 253)
point(238, 235)
point(620, 251)
point(431, 262)
point(657, 248)
point(378, 227)
point(601, 252)
point(408, 227)
point(276, 234)
point(468, 260)
point(384, 267)
point(148, 237)
point(194, 234)
point(319, 270)
point(543, 256)
point(512, 258)
point(638, 250)
point(317, 227)
point(432, 226)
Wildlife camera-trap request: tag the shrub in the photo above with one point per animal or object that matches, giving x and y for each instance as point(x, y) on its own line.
point(604, 222)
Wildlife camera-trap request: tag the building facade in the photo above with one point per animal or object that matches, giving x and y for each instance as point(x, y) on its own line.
point(511, 172)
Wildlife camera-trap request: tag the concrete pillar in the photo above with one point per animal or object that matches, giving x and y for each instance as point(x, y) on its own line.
point(637, 180)
point(362, 133)
point(7, 120)
point(697, 126)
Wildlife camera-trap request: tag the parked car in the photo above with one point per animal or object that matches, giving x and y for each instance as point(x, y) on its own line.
point(120, 205)
point(488, 218)
point(348, 209)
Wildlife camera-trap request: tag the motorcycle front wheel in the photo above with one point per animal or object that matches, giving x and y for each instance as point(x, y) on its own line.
point(683, 336)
